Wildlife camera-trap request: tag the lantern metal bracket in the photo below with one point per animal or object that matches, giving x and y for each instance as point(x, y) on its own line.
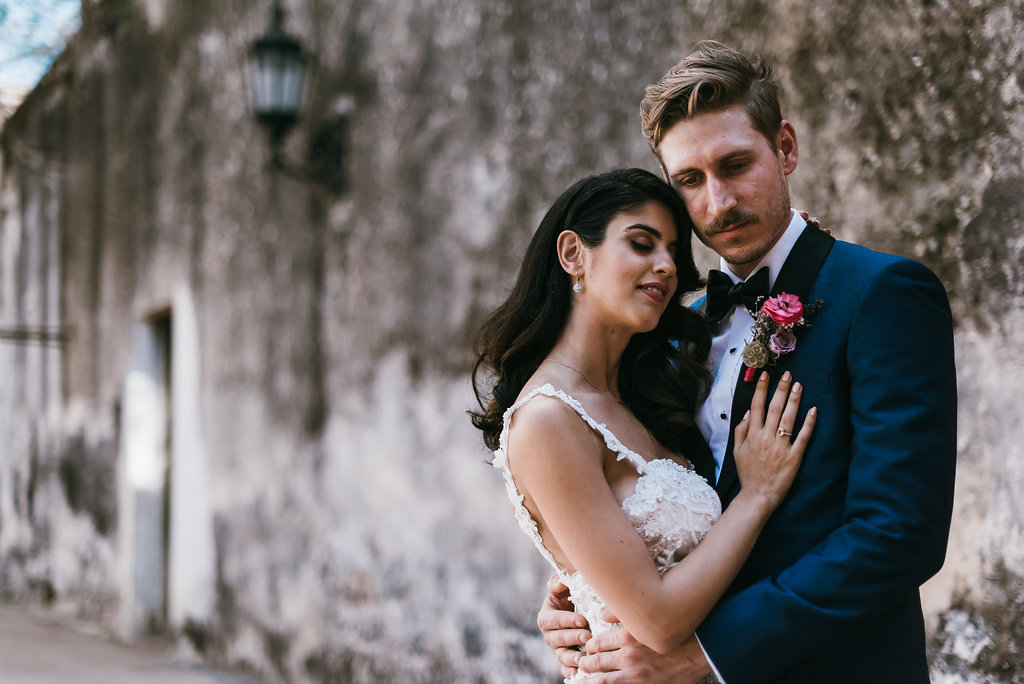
point(326, 154)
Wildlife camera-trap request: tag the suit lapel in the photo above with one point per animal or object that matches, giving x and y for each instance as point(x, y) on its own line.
point(796, 277)
point(801, 268)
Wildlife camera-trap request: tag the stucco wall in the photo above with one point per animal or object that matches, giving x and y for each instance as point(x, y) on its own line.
point(332, 516)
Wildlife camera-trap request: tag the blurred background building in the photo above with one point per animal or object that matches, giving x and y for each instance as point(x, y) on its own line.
point(235, 365)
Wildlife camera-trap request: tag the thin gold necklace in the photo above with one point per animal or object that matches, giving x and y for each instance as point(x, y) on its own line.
point(586, 379)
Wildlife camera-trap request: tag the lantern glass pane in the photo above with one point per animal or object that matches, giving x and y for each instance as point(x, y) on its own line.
point(291, 83)
point(276, 79)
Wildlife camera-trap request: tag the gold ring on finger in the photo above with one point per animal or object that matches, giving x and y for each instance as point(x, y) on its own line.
point(782, 433)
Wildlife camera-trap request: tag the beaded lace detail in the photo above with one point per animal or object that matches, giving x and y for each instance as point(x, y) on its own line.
point(671, 508)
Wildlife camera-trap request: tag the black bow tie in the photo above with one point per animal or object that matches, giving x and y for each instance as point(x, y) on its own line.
point(723, 294)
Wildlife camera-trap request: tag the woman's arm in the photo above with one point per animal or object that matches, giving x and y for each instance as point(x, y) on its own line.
point(556, 461)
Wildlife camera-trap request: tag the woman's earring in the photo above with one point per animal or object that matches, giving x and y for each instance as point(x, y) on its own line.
point(576, 287)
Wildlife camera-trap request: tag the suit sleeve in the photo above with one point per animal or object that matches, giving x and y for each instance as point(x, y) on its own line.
point(899, 496)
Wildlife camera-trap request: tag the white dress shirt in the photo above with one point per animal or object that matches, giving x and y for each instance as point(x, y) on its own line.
point(726, 358)
point(729, 338)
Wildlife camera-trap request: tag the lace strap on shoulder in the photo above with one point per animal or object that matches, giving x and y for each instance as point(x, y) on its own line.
point(610, 440)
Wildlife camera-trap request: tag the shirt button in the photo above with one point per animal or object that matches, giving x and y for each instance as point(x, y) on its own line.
point(733, 350)
point(722, 415)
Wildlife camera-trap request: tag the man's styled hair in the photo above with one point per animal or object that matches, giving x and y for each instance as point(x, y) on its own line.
point(711, 78)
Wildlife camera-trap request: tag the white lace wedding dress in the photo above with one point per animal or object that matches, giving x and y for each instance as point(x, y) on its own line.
point(672, 508)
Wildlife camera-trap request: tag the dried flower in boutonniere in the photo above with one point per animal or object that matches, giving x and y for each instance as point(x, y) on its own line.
point(773, 330)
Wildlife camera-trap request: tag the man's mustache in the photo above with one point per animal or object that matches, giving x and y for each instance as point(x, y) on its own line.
point(732, 218)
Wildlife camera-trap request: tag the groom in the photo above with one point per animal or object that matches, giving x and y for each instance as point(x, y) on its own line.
point(830, 593)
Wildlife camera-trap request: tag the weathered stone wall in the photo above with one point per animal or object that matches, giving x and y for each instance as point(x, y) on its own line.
point(325, 480)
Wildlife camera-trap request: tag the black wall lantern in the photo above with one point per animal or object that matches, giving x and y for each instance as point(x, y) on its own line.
point(277, 73)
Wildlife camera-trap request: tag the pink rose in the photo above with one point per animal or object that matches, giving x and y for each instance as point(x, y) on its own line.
point(785, 309)
point(781, 343)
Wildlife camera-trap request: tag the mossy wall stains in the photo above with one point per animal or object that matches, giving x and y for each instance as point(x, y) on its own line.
point(979, 638)
point(359, 533)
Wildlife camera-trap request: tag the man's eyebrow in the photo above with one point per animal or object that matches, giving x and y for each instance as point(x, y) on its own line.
point(736, 153)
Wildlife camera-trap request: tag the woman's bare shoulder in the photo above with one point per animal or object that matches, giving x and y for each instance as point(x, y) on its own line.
point(544, 413)
point(548, 426)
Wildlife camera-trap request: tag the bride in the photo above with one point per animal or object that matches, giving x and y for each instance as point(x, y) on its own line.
point(596, 371)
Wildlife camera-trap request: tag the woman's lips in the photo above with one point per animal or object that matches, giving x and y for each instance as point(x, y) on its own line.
point(655, 291)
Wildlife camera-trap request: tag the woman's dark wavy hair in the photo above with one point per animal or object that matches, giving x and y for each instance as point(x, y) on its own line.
point(663, 374)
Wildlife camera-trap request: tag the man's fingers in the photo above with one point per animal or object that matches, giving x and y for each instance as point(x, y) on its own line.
point(553, 619)
point(599, 662)
point(568, 658)
point(566, 638)
point(555, 586)
point(813, 220)
point(556, 612)
point(557, 596)
point(563, 630)
point(612, 640)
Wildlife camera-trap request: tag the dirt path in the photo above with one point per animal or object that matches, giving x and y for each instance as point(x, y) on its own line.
point(36, 650)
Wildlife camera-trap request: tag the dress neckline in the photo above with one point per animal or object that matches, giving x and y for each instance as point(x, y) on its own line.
point(613, 443)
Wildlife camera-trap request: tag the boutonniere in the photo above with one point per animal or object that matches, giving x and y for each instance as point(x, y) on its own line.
point(774, 330)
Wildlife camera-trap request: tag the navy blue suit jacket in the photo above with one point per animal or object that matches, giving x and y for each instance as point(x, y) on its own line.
point(830, 592)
